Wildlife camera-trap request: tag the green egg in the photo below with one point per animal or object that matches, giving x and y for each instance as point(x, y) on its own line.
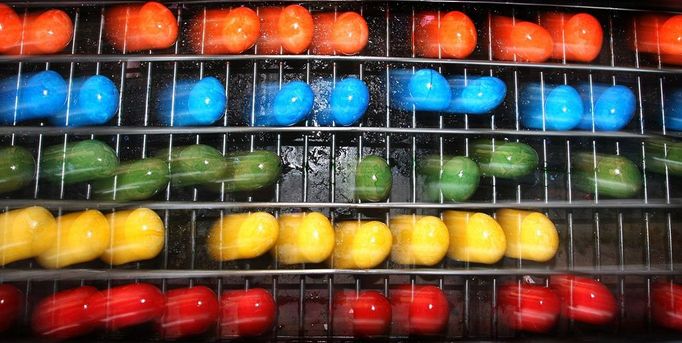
point(137, 180)
point(458, 180)
point(195, 165)
point(249, 171)
point(508, 160)
point(17, 168)
point(664, 153)
point(373, 179)
point(614, 176)
point(78, 162)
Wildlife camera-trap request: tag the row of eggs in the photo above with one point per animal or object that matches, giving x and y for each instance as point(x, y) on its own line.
point(456, 178)
point(94, 100)
point(293, 238)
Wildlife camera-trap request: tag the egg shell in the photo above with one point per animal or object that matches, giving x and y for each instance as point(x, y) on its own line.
point(133, 180)
point(423, 90)
point(94, 101)
point(280, 107)
point(563, 107)
point(25, 233)
point(137, 27)
point(78, 162)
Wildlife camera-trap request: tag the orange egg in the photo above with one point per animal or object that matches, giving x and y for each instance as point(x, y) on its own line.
point(147, 26)
point(289, 29)
point(579, 35)
point(10, 29)
point(670, 35)
point(527, 41)
point(645, 36)
point(225, 31)
point(454, 34)
point(344, 34)
point(46, 32)
point(295, 27)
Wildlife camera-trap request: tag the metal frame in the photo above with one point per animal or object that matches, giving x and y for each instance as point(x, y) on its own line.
point(402, 136)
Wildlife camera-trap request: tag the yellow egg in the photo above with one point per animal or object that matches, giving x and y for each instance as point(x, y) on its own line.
point(474, 237)
point(304, 238)
point(243, 235)
point(418, 240)
point(530, 235)
point(81, 237)
point(135, 235)
point(360, 244)
point(25, 233)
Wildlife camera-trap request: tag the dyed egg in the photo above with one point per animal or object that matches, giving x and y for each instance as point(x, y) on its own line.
point(288, 29)
point(507, 160)
point(339, 33)
point(373, 179)
point(474, 237)
point(126, 305)
point(78, 162)
point(476, 95)
point(662, 155)
point(304, 238)
point(25, 233)
point(81, 237)
point(342, 104)
point(579, 35)
point(39, 95)
point(224, 31)
point(17, 168)
point(64, 314)
point(457, 180)
point(11, 305)
point(137, 27)
point(520, 40)
point(418, 240)
point(614, 176)
point(360, 244)
point(610, 108)
point(248, 171)
point(453, 35)
point(423, 90)
point(246, 313)
point(137, 180)
point(34, 33)
point(94, 101)
point(242, 235)
point(136, 235)
point(550, 107)
point(673, 110)
point(195, 164)
point(189, 312)
point(530, 235)
point(280, 107)
point(192, 103)
point(421, 310)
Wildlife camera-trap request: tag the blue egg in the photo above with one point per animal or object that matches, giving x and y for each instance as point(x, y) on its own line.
point(673, 110)
point(425, 90)
point(614, 106)
point(38, 95)
point(349, 101)
point(197, 103)
point(476, 95)
point(562, 105)
point(279, 107)
point(94, 101)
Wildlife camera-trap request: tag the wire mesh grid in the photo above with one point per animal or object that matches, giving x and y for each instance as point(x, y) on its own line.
point(625, 243)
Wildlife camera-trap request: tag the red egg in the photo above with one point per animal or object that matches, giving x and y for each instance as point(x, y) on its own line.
point(289, 29)
point(667, 305)
point(340, 33)
point(363, 314)
point(526, 41)
point(585, 300)
point(527, 307)
point(65, 314)
point(11, 299)
point(127, 305)
point(670, 35)
point(419, 310)
point(247, 313)
point(138, 27)
point(580, 35)
point(189, 311)
point(225, 31)
point(38, 33)
point(454, 34)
